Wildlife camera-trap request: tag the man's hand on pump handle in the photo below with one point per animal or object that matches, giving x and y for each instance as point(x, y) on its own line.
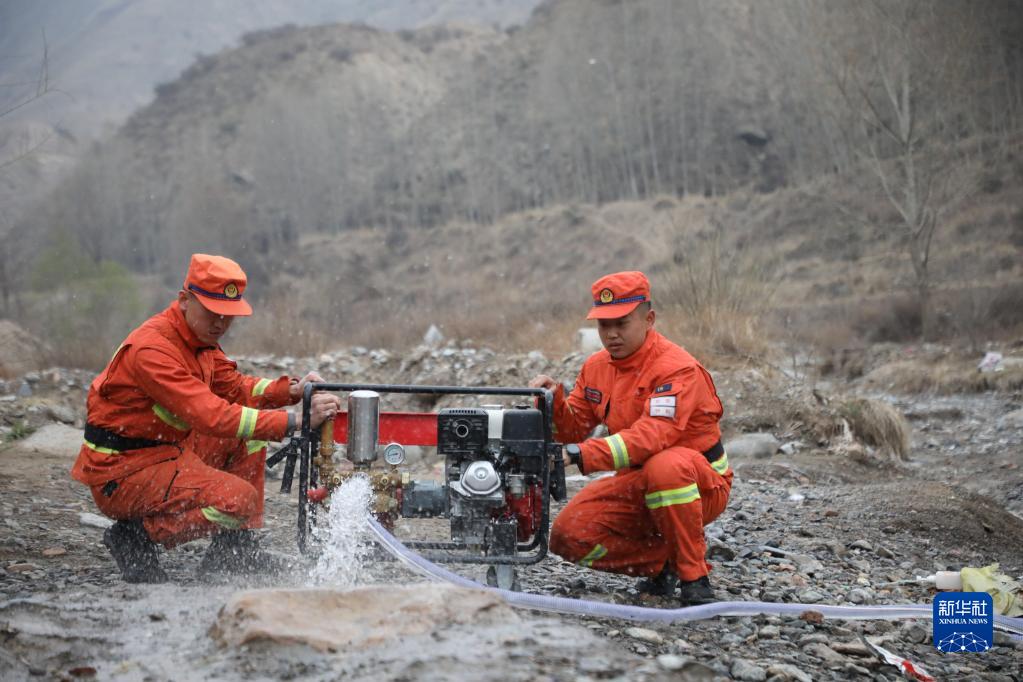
point(550, 384)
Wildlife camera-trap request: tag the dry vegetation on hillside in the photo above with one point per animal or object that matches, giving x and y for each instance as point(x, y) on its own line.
point(861, 164)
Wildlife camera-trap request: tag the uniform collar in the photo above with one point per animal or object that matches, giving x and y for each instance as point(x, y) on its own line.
point(177, 320)
point(638, 358)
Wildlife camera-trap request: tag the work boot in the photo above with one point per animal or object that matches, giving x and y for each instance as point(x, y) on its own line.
point(696, 592)
point(134, 552)
point(238, 552)
point(661, 585)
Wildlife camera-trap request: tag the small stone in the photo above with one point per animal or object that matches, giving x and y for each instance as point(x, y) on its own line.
point(853, 648)
point(830, 513)
point(746, 670)
point(915, 633)
point(824, 652)
point(22, 567)
point(862, 544)
point(858, 596)
point(769, 632)
point(886, 553)
point(94, 520)
point(54, 551)
point(671, 661)
point(788, 672)
point(811, 597)
point(645, 635)
point(812, 617)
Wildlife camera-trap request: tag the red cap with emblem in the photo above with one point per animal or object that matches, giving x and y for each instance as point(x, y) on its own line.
point(218, 283)
point(618, 294)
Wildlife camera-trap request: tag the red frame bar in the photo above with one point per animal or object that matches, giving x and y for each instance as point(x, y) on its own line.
point(407, 428)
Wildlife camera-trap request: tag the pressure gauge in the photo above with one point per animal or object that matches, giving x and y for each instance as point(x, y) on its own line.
point(394, 454)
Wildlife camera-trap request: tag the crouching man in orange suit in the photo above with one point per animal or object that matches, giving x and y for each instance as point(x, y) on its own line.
point(175, 440)
point(662, 411)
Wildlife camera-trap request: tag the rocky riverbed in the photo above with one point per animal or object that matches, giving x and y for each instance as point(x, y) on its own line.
point(821, 518)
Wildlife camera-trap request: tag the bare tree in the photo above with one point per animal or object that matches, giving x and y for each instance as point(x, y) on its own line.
point(891, 63)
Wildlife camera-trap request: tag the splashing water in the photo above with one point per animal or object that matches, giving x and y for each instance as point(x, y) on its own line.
point(343, 535)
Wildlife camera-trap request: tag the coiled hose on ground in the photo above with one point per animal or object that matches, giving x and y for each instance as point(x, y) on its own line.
point(582, 607)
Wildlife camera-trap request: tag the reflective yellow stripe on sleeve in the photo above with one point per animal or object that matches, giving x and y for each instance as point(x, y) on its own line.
point(619, 453)
point(260, 387)
point(597, 553)
point(720, 464)
point(247, 422)
point(169, 418)
point(667, 498)
point(221, 519)
point(255, 446)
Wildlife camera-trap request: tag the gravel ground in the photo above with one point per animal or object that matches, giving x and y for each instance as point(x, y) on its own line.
point(809, 527)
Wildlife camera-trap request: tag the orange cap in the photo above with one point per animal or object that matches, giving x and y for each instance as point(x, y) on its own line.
point(618, 295)
point(218, 283)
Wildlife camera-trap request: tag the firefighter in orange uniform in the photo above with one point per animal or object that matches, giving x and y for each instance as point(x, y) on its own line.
point(661, 410)
point(175, 440)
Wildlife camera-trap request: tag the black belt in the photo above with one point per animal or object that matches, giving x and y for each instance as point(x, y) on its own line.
point(107, 439)
point(715, 453)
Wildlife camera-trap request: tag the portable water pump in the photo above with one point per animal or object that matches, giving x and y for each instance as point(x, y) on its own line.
point(501, 468)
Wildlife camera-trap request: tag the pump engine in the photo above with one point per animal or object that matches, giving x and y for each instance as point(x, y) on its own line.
point(501, 467)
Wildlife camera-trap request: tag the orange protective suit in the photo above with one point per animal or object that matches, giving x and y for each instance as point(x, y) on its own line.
point(165, 386)
point(661, 410)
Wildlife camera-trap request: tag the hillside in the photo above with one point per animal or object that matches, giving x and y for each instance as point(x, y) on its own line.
point(108, 55)
point(676, 137)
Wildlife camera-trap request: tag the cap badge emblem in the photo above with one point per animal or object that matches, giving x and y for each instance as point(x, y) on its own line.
point(231, 291)
point(606, 296)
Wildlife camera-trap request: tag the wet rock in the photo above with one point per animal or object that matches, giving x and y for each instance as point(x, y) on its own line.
point(335, 620)
point(94, 520)
point(747, 670)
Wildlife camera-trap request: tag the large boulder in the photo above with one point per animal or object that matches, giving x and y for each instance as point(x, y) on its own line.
point(335, 620)
point(752, 446)
point(22, 351)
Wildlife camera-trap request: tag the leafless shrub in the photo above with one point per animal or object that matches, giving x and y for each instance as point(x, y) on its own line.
point(721, 294)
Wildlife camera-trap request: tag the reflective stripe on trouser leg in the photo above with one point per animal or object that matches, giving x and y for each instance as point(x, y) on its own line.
point(597, 553)
point(252, 446)
point(218, 517)
point(667, 498)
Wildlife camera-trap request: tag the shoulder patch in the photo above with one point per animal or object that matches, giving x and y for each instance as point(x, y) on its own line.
point(663, 388)
point(593, 395)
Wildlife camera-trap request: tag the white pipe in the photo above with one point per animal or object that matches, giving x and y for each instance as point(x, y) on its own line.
point(644, 613)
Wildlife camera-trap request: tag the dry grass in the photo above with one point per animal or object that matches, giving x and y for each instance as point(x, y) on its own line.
point(878, 425)
point(943, 377)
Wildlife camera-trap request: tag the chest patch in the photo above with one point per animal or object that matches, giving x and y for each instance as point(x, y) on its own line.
point(593, 395)
point(663, 406)
point(663, 388)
